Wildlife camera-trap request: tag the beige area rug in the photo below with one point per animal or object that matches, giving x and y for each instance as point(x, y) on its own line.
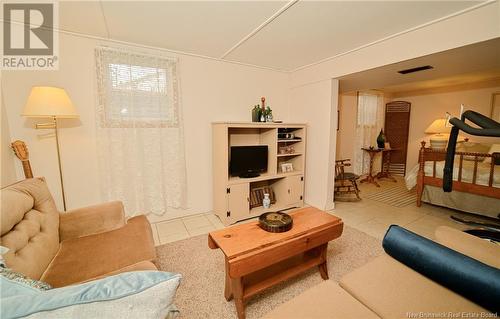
point(397, 196)
point(201, 293)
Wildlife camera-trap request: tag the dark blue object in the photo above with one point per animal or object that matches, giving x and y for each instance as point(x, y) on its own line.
point(462, 274)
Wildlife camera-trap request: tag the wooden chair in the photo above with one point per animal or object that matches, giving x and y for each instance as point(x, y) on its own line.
point(345, 183)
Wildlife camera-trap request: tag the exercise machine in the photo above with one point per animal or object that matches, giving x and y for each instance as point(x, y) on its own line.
point(489, 229)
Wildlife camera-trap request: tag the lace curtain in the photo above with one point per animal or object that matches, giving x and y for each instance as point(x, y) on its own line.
point(140, 140)
point(370, 120)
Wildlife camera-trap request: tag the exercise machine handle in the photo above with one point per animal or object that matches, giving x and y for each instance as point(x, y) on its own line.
point(487, 127)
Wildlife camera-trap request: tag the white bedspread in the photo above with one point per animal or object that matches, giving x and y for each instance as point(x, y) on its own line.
point(482, 178)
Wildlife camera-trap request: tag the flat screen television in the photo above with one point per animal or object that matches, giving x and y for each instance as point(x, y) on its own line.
point(248, 161)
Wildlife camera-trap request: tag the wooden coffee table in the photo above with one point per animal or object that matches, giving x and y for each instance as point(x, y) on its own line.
point(256, 259)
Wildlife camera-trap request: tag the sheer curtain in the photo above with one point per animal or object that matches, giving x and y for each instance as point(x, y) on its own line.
point(370, 120)
point(140, 141)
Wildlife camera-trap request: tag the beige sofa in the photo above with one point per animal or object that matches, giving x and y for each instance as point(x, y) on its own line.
point(71, 247)
point(385, 288)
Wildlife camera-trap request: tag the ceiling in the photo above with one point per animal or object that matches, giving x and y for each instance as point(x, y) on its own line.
point(281, 35)
point(473, 63)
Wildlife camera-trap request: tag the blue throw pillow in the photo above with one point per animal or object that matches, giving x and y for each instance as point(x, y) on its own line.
point(19, 284)
point(26, 302)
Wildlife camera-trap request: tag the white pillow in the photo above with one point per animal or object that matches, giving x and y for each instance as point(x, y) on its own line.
point(152, 303)
point(131, 295)
point(495, 148)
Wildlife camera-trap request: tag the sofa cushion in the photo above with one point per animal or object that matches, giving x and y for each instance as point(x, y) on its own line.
point(392, 290)
point(29, 226)
point(111, 297)
point(472, 246)
point(464, 275)
point(88, 257)
point(140, 266)
point(326, 300)
point(91, 220)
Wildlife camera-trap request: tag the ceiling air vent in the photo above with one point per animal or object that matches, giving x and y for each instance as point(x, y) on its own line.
point(417, 69)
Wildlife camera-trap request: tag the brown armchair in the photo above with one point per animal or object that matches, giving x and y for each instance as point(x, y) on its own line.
point(71, 247)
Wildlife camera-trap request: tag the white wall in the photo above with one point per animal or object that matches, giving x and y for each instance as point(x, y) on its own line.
point(314, 105)
point(474, 26)
point(346, 134)
point(8, 168)
point(478, 25)
point(211, 91)
point(426, 106)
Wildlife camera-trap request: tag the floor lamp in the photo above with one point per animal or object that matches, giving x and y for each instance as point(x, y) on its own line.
point(53, 103)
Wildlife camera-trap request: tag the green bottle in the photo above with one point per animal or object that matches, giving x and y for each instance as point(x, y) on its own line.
point(256, 113)
point(381, 139)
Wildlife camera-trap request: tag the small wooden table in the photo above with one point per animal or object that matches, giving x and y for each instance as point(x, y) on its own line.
point(256, 259)
point(370, 178)
point(384, 172)
point(386, 162)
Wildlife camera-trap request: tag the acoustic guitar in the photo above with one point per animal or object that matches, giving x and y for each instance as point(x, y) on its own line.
point(21, 151)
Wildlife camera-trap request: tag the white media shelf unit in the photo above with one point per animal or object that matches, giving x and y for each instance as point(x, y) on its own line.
point(231, 195)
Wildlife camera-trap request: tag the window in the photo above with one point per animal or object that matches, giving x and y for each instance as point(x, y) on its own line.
point(368, 109)
point(139, 136)
point(370, 119)
point(136, 90)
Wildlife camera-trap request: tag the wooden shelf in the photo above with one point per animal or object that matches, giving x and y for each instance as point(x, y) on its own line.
point(289, 154)
point(294, 126)
point(256, 211)
point(287, 140)
point(263, 177)
point(231, 193)
point(265, 278)
point(290, 173)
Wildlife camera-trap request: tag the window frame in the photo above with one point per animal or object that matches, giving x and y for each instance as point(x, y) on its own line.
point(107, 117)
point(375, 110)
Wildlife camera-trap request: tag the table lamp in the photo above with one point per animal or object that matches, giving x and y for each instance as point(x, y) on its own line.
point(441, 133)
point(53, 103)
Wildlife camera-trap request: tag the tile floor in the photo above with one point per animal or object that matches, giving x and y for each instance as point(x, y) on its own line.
point(374, 217)
point(369, 216)
point(182, 228)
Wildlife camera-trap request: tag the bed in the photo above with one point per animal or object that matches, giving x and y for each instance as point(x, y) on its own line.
point(476, 180)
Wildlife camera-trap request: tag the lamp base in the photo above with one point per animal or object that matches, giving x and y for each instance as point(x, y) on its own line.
point(439, 142)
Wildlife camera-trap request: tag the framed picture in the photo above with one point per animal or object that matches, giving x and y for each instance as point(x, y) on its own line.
point(286, 167)
point(495, 106)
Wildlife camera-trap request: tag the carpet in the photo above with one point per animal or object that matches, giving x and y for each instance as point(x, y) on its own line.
point(201, 293)
point(397, 196)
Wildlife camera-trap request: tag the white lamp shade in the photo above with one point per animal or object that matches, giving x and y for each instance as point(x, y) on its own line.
point(46, 101)
point(437, 127)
